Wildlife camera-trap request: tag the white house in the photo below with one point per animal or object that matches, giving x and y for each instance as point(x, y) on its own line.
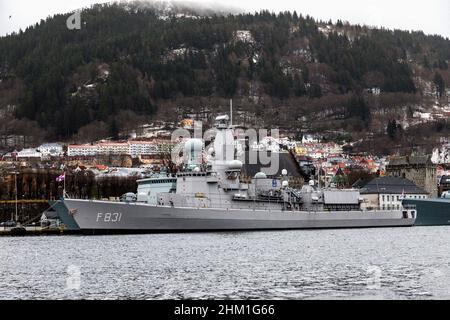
point(28, 154)
point(132, 148)
point(267, 144)
point(310, 138)
point(51, 149)
point(82, 150)
point(387, 193)
point(113, 148)
point(139, 148)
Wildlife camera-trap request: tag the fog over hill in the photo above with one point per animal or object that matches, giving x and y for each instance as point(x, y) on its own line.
point(204, 8)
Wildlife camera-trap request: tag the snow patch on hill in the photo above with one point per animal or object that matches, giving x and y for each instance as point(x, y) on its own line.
point(167, 9)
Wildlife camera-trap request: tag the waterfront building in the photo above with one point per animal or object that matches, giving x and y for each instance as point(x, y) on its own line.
point(418, 169)
point(387, 193)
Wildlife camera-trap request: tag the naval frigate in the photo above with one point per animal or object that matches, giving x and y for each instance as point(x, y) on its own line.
point(212, 197)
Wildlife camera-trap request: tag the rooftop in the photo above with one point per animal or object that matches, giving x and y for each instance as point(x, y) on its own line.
point(410, 160)
point(81, 146)
point(117, 144)
point(444, 179)
point(391, 185)
point(50, 144)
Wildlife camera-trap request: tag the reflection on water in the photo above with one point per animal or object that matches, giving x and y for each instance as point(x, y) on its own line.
point(400, 263)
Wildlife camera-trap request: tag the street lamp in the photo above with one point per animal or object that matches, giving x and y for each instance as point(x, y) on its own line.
point(15, 183)
point(319, 168)
point(16, 217)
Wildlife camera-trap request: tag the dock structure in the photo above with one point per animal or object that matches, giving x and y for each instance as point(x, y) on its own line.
point(35, 231)
point(23, 201)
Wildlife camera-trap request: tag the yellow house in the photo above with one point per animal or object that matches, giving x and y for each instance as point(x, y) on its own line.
point(299, 150)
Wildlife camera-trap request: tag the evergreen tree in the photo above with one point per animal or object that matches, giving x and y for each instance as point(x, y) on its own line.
point(315, 91)
point(152, 60)
point(357, 107)
point(392, 129)
point(440, 84)
point(114, 129)
point(299, 86)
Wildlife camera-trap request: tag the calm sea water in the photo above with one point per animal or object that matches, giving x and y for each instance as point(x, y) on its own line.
point(400, 263)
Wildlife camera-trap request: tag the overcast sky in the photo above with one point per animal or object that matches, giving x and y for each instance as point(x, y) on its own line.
point(431, 16)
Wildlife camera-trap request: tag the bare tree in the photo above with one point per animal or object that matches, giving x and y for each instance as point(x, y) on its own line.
point(92, 132)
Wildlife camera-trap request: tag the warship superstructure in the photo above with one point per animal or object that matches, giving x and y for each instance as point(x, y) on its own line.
point(211, 197)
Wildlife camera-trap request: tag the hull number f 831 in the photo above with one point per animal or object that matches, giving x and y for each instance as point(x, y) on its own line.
point(109, 217)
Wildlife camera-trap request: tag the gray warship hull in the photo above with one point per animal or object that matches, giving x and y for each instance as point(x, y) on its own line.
point(102, 217)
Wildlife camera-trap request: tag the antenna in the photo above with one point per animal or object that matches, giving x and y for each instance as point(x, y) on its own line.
point(318, 175)
point(231, 112)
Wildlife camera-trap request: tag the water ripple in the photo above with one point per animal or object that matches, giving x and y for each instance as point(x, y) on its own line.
point(409, 263)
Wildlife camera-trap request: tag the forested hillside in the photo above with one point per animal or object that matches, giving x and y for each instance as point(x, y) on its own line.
point(131, 63)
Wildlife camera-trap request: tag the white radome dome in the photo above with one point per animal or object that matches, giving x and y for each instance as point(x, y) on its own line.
point(284, 172)
point(285, 184)
point(193, 144)
point(235, 165)
point(196, 169)
point(260, 175)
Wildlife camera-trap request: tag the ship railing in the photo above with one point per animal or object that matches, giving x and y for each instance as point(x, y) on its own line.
point(389, 208)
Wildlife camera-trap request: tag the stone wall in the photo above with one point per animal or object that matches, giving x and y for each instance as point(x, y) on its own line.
point(423, 175)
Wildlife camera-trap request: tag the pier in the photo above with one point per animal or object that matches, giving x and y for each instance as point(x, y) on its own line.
point(35, 231)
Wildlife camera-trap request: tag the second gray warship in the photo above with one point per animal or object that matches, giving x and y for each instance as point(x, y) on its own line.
point(211, 197)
